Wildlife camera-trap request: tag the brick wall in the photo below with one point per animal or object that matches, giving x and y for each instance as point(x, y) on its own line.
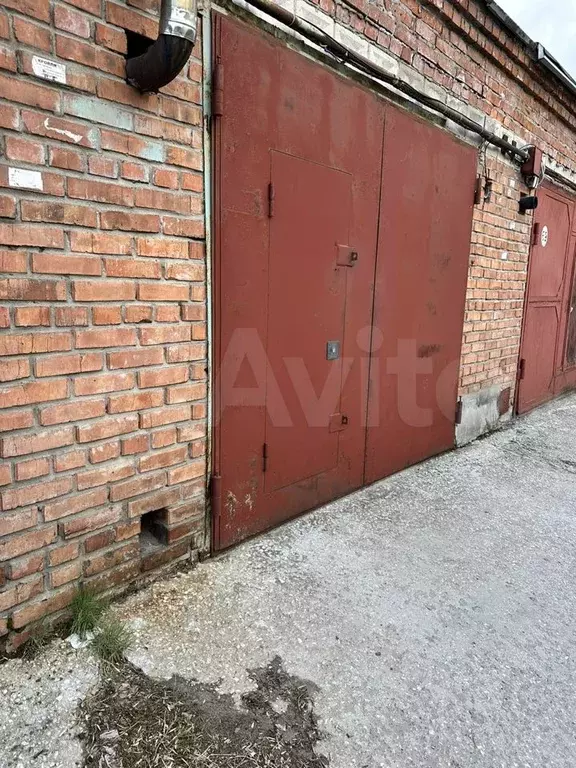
point(102, 290)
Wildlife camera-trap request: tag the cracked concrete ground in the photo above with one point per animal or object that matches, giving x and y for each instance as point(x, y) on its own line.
point(434, 611)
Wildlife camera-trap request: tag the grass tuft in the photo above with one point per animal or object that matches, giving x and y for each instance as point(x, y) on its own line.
point(87, 610)
point(112, 640)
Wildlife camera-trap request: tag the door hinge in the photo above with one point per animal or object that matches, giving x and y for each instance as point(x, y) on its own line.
point(264, 457)
point(458, 414)
point(218, 90)
point(522, 369)
point(216, 495)
point(270, 200)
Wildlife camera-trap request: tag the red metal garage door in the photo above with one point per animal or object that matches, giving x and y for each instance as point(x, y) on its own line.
point(545, 369)
point(424, 244)
point(298, 184)
point(313, 308)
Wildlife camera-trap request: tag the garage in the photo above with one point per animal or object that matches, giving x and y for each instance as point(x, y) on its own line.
point(341, 236)
point(548, 352)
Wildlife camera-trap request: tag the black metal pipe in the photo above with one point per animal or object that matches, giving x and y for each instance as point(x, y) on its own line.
point(168, 55)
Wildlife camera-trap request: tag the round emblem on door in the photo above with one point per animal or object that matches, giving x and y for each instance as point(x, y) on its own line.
point(545, 236)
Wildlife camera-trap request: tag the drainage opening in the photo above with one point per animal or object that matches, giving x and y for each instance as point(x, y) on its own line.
point(153, 531)
point(137, 44)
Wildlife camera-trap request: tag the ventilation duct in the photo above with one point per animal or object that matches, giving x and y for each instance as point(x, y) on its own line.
point(168, 55)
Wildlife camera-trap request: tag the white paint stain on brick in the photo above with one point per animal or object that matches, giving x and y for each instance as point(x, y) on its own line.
point(75, 137)
point(21, 178)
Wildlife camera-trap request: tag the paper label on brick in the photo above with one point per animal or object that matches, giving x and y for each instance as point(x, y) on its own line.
point(49, 70)
point(23, 179)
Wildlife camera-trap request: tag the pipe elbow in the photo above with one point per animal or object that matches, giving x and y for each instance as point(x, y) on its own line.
point(167, 56)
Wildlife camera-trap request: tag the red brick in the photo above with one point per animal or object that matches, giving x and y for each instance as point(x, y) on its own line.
point(13, 420)
point(35, 611)
point(33, 392)
point(18, 521)
point(111, 558)
point(134, 171)
point(111, 38)
point(132, 268)
point(34, 95)
point(32, 494)
point(13, 261)
point(126, 18)
point(183, 352)
point(186, 393)
point(100, 191)
point(102, 166)
point(163, 459)
point(135, 358)
point(127, 530)
point(105, 452)
point(138, 313)
point(26, 542)
point(192, 470)
point(166, 313)
point(71, 21)
point(156, 500)
point(135, 222)
point(137, 486)
point(164, 416)
point(26, 470)
point(39, 441)
point(71, 316)
point(188, 227)
point(25, 234)
point(32, 316)
point(167, 334)
point(163, 437)
point(107, 315)
point(192, 272)
point(155, 199)
point(108, 382)
point(163, 376)
point(22, 344)
point(8, 117)
point(162, 248)
point(68, 159)
point(30, 34)
point(7, 207)
point(38, 9)
point(108, 474)
point(25, 566)
point(59, 129)
point(63, 553)
point(105, 290)
point(23, 289)
point(107, 428)
point(187, 158)
point(73, 411)
point(136, 444)
point(162, 291)
point(24, 150)
point(59, 213)
point(165, 178)
point(65, 574)
point(63, 462)
point(99, 540)
point(21, 593)
point(135, 401)
point(57, 365)
point(163, 129)
point(100, 242)
point(77, 503)
point(89, 522)
point(109, 337)
point(10, 370)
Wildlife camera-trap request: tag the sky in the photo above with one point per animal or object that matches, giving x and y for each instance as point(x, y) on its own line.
point(550, 22)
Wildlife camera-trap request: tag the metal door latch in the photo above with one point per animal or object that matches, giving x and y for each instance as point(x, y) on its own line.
point(346, 256)
point(332, 350)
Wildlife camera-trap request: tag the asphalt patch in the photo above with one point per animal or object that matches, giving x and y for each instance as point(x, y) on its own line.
point(133, 721)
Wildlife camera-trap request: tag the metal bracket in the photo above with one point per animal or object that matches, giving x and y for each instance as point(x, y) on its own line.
point(346, 256)
point(332, 350)
point(338, 422)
